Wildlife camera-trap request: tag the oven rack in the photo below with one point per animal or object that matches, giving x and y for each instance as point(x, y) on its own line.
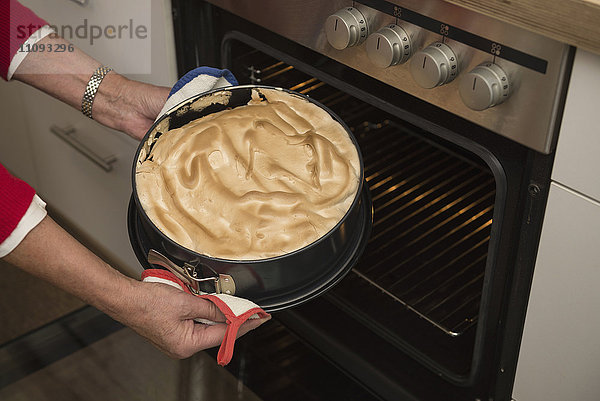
point(432, 212)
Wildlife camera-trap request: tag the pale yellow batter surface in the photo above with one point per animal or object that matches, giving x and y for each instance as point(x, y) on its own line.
point(253, 182)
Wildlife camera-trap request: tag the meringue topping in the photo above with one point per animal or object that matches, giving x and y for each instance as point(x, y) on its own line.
point(253, 182)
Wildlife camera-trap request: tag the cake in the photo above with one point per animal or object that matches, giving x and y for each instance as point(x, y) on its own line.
point(253, 182)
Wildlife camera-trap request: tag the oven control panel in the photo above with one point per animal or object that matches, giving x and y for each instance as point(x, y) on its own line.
point(504, 78)
point(485, 86)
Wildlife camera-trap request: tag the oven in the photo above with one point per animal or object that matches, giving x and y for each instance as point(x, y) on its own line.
point(456, 115)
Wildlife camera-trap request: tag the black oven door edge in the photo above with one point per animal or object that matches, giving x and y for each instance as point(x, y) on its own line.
point(343, 357)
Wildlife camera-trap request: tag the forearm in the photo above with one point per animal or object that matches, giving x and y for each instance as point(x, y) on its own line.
point(161, 313)
point(63, 75)
point(120, 103)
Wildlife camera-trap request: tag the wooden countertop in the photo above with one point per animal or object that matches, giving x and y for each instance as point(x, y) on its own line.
point(576, 22)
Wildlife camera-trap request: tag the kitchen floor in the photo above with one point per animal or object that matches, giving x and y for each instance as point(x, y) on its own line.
point(54, 347)
point(122, 366)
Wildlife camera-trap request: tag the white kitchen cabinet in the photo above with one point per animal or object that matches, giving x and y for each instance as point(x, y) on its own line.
point(560, 349)
point(15, 152)
point(92, 201)
point(560, 352)
point(577, 163)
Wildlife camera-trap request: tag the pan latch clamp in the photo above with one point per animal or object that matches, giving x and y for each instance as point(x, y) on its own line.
point(191, 277)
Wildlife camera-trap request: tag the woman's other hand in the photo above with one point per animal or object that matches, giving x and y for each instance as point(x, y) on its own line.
point(164, 315)
point(128, 106)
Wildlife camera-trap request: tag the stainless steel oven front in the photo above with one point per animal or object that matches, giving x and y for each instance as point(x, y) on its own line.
point(456, 115)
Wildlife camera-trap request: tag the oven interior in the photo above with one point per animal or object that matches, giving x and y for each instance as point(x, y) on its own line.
point(419, 283)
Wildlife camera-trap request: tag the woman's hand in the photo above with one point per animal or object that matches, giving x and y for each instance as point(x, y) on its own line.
point(164, 315)
point(128, 106)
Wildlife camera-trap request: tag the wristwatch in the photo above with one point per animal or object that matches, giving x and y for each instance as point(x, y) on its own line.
point(92, 89)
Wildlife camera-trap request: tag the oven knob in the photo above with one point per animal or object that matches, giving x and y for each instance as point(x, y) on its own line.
point(389, 46)
point(347, 27)
point(485, 86)
point(435, 65)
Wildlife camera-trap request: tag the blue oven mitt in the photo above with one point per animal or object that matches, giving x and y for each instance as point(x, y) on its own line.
point(199, 80)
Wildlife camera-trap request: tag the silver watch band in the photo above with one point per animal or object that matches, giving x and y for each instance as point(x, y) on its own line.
point(92, 89)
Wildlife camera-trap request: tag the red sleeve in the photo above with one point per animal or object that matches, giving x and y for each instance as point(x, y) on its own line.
point(17, 24)
point(15, 198)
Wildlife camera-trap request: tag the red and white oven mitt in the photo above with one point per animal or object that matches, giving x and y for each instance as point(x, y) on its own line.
point(236, 310)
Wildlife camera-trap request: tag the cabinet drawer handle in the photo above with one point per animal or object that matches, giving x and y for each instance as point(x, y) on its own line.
point(82, 3)
point(68, 136)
